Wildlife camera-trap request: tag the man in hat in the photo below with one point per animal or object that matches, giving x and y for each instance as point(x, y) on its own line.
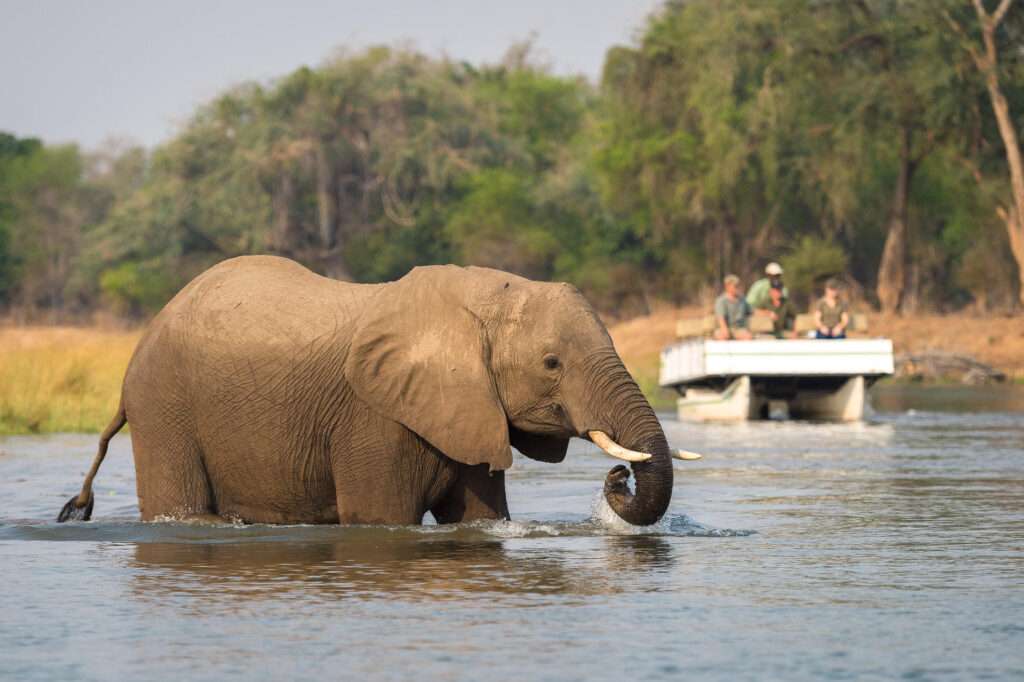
point(782, 314)
point(758, 295)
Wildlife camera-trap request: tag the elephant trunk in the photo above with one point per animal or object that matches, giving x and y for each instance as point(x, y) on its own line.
point(630, 422)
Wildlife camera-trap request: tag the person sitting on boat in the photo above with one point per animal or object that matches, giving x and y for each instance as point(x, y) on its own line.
point(781, 312)
point(831, 316)
point(732, 312)
point(758, 296)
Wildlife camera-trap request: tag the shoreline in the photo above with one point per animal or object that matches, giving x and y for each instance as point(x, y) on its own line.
point(56, 379)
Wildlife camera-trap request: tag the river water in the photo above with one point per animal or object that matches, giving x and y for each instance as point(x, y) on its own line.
point(884, 550)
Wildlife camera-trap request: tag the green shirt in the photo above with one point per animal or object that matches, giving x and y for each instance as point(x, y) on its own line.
point(831, 315)
point(785, 316)
point(736, 313)
point(758, 296)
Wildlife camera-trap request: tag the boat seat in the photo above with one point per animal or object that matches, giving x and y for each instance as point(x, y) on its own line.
point(803, 323)
point(697, 327)
point(694, 327)
point(761, 325)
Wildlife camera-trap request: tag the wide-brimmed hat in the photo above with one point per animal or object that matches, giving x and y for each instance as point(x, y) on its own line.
point(773, 269)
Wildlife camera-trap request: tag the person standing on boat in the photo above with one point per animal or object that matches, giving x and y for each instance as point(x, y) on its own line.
point(758, 296)
point(831, 316)
point(732, 312)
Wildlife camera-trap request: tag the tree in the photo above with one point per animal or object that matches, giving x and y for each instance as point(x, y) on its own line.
point(986, 58)
point(887, 97)
point(45, 200)
point(701, 151)
point(11, 149)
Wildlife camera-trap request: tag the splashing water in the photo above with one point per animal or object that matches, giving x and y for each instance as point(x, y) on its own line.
point(608, 521)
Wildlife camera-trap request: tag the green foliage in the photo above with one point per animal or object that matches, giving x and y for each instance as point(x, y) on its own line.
point(812, 261)
point(133, 289)
point(7, 271)
point(497, 224)
point(11, 150)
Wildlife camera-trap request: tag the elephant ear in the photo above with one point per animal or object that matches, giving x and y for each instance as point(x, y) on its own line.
point(537, 446)
point(421, 358)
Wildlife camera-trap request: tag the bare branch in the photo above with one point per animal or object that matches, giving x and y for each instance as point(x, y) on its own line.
point(968, 43)
point(990, 21)
point(1000, 12)
point(982, 14)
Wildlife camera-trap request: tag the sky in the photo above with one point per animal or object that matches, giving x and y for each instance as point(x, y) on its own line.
point(88, 71)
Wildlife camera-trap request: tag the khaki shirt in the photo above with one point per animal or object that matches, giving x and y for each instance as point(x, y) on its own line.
point(831, 315)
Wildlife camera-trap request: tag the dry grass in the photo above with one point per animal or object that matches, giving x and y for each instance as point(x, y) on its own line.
point(56, 379)
point(639, 342)
point(994, 340)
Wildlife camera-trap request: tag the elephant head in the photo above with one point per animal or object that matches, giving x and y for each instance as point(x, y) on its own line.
point(475, 360)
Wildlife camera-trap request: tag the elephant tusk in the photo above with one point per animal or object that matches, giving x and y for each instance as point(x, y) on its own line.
point(601, 440)
point(686, 455)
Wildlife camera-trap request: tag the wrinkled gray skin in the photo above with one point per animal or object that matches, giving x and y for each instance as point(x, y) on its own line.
point(265, 393)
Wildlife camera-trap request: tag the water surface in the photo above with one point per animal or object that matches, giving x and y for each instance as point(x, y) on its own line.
point(883, 550)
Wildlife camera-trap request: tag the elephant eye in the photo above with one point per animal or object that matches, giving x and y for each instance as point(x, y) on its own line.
point(551, 361)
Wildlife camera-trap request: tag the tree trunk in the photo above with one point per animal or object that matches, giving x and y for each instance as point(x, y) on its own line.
point(892, 270)
point(1015, 230)
point(325, 200)
point(988, 64)
point(281, 202)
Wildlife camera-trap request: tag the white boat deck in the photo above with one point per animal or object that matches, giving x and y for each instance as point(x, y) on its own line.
point(737, 380)
point(697, 360)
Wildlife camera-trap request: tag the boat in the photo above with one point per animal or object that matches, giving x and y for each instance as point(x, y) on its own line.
point(774, 378)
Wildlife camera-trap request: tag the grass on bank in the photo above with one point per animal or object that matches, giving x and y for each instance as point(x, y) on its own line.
point(61, 379)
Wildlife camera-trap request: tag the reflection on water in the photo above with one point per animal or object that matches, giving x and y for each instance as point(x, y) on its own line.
point(903, 397)
point(368, 569)
point(880, 550)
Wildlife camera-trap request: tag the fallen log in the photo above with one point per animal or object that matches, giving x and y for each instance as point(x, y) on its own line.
point(938, 365)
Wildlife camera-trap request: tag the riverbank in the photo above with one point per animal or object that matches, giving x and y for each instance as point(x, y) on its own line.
point(61, 379)
point(67, 379)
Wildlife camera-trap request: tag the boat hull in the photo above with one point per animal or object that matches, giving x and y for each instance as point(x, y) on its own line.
point(768, 378)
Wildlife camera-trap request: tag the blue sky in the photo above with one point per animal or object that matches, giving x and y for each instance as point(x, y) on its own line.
point(86, 71)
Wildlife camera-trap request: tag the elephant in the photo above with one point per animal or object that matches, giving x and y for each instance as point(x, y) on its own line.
point(265, 393)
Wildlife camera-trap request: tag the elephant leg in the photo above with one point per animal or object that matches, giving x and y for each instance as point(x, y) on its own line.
point(476, 494)
point(385, 474)
point(171, 479)
point(389, 504)
point(373, 487)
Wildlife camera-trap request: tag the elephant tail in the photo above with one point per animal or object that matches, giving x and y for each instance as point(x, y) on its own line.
point(79, 507)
